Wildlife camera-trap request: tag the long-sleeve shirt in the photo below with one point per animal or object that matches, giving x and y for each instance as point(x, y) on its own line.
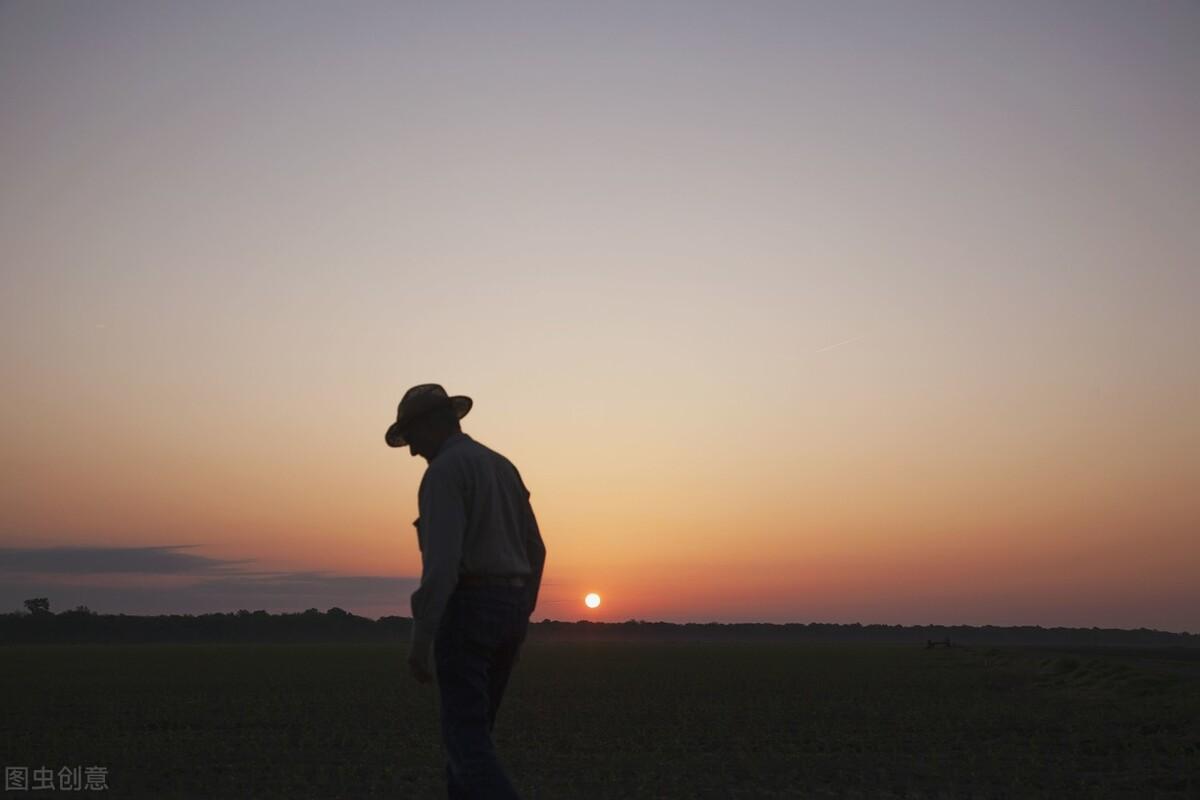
point(475, 518)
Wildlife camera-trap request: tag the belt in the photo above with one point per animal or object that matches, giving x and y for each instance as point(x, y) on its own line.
point(491, 580)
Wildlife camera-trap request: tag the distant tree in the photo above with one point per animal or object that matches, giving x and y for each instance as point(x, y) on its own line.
point(81, 610)
point(38, 605)
point(337, 612)
point(312, 612)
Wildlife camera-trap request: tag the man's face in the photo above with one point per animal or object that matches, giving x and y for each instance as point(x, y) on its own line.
point(420, 438)
point(414, 437)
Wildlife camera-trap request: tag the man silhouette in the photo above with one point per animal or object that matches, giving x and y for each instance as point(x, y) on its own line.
point(482, 558)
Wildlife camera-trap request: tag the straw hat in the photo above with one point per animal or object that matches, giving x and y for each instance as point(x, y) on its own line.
point(420, 400)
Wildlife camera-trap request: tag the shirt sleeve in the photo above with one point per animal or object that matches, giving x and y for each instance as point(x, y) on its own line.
point(535, 551)
point(443, 520)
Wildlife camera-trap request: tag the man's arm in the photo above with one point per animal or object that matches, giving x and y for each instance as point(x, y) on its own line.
point(535, 550)
point(443, 521)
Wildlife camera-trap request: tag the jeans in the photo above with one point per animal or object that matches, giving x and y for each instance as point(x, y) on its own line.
point(477, 643)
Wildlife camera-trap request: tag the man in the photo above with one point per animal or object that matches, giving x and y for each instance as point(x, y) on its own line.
point(482, 559)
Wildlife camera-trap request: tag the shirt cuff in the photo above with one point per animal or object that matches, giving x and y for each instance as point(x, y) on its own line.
point(421, 647)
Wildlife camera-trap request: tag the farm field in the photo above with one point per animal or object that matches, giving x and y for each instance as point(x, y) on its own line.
point(615, 720)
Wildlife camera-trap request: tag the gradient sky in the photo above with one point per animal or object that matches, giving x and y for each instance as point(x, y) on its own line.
point(878, 312)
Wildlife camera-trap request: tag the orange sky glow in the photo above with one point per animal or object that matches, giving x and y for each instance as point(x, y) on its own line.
point(785, 315)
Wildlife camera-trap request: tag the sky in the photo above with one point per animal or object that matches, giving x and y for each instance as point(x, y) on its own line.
point(817, 312)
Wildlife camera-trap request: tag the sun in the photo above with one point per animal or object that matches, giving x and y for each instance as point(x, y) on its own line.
point(592, 600)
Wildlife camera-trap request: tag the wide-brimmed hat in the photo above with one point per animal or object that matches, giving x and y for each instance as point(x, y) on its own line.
point(420, 400)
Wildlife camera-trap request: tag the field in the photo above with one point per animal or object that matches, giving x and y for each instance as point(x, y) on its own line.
point(615, 720)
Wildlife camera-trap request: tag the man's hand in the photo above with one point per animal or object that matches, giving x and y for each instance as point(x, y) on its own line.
point(417, 666)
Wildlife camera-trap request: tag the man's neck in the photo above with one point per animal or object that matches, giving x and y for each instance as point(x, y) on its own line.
point(442, 444)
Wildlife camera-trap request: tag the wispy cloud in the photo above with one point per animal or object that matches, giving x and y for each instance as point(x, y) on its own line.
point(839, 344)
point(159, 560)
point(130, 580)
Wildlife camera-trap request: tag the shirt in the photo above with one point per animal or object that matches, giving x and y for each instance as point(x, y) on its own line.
point(475, 518)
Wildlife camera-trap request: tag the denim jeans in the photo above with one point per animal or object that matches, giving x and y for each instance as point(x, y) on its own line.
point(477, 642)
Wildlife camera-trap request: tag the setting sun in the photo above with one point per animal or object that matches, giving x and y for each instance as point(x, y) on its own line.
point(592, 600)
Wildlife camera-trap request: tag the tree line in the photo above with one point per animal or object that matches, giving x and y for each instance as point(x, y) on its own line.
point(38, 624)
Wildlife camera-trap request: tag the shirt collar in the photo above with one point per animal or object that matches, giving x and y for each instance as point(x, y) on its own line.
point(455, 438)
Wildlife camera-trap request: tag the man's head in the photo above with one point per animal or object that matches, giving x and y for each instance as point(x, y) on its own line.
point(425, 434)
point(426, 417)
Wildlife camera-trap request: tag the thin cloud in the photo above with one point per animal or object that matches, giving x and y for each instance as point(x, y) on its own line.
point(158, 560)
point(839, 344)
point(310, 584)
point(217, 585)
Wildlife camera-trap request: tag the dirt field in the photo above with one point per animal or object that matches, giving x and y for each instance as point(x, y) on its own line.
point(615, 720)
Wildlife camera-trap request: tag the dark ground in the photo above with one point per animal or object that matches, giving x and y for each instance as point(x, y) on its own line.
point(616, 720)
